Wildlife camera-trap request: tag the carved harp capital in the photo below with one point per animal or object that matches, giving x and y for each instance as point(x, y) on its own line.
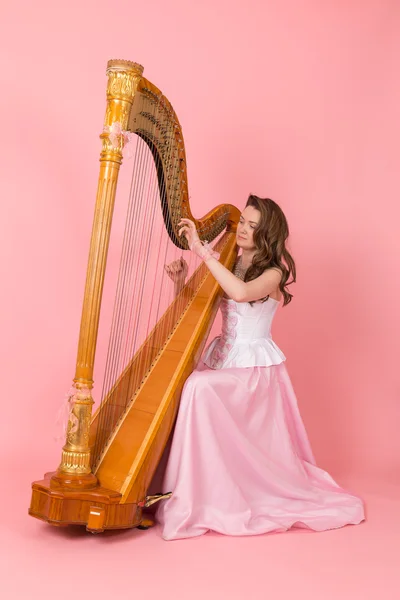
point(124, 77)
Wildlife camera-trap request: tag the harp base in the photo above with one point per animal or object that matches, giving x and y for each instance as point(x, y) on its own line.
point(98, 509)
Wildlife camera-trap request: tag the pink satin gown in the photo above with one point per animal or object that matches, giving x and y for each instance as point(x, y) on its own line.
point(240, 460)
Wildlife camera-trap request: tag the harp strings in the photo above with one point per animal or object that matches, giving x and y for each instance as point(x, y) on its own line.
point(171, 252)
point(127, 288)
point(145, 242)
point(152, 250)
point(167, 252)
point(120, 304)
point(164, 245)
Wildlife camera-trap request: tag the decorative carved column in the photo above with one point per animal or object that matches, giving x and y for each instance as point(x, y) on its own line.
point(74, 470)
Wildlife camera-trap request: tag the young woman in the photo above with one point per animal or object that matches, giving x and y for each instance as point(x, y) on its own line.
point(240, 461)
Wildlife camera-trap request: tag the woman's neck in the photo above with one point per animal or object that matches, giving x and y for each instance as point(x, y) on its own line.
point(246, 258)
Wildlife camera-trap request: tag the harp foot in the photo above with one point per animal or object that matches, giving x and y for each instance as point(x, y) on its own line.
point(146, 523)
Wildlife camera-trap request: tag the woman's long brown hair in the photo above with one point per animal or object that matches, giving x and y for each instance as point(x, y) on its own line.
point(270, 238)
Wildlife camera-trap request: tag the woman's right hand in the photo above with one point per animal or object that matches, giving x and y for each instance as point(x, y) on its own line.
point(177, 271)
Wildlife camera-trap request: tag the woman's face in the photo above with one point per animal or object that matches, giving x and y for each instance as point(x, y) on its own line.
point(245, 229)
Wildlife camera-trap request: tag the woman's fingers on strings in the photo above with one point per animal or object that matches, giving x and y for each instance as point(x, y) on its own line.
point(174, 268)
point(187, 224)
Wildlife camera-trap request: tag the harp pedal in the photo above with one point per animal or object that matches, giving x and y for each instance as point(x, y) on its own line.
point(147, 521)
point(96, 519)
point(150, 500)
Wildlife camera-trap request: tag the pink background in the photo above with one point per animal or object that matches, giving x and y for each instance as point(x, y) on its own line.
point(298, 101)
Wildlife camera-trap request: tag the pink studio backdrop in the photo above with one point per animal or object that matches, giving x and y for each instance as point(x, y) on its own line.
point(298, 101)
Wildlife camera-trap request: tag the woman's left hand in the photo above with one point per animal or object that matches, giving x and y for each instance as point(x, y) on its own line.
point(188, 228)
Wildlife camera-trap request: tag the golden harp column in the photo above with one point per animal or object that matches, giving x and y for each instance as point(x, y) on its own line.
point(74, 470)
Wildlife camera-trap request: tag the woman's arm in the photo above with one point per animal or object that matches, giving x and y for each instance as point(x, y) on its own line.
point(241, 291)
point(234, 288)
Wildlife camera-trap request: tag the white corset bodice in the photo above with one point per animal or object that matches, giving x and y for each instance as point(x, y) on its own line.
point(245, 339)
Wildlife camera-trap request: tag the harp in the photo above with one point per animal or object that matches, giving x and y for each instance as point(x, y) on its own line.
point(109, 458)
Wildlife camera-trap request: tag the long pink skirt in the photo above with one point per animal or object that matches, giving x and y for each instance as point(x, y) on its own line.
point(241, 464)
